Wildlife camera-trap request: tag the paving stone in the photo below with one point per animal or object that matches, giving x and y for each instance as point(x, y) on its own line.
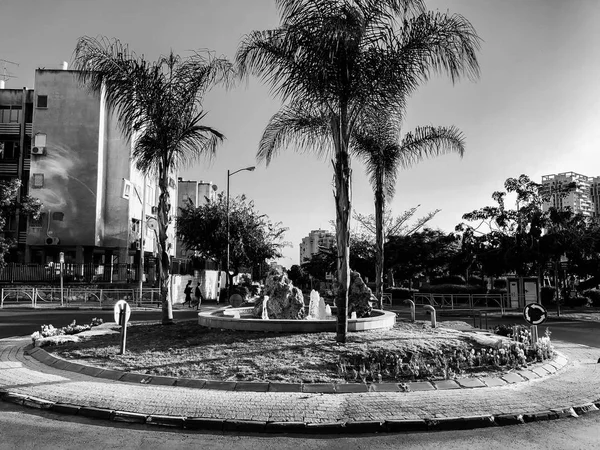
point(415, 386)
point(549, 368)
point(110, 374)
point(529, 375)
point(446, 384)
point(96, 413)
point(249, 386)
point(190, 383)
point(285, 427)
point(512, 378)
point(64, 408)
point(320, 388)
point(469, 383)
point(200, 423)
point(346, 388)
point(285, 387)
point(493, 381)
point(540, 371)
point(253, 426)
point(385, 387)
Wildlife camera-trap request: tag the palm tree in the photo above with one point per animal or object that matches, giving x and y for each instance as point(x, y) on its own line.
point(379, 147)
point(342, 60)
point(158, 106)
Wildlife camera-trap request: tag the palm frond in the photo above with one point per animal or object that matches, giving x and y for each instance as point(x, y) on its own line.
point(298, 125)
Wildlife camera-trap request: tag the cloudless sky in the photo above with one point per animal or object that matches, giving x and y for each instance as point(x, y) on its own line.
point(535, 109)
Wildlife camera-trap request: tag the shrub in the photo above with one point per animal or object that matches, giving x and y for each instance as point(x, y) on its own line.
point(452, 289)
point(452, 279)
point(243, 291)
point(400, 293)
point(72, 328)
point(547, 294)
point(593, 295)
point(500, 283)
point(578, 301)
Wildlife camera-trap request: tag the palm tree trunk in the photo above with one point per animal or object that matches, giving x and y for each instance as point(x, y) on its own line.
point(343, 175)
point(164, 261)
point(379, 207)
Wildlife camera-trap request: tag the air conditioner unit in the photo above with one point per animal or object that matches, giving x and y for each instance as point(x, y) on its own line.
point(52, 241)
point(38, 151)
point(154, 209)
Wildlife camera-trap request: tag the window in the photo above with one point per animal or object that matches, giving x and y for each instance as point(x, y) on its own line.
point(15, 114)
point(38, 180)
point(58, 216)
point(42, 101)
point(36, 223)
point(126, 189)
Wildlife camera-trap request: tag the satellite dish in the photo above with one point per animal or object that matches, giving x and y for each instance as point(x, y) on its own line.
point(152, 223)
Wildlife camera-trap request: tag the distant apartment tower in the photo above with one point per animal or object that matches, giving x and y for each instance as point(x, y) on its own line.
point(582, 197)
point(316, 240)
point(198, 193)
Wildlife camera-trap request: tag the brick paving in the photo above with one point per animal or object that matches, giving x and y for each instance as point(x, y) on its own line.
point(575, 383)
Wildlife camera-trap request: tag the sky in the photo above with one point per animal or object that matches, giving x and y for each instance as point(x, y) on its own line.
point(535, 109)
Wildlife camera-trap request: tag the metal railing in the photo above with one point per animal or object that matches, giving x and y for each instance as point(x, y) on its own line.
point(52, 297)
point(88, 273)
point(459, 301)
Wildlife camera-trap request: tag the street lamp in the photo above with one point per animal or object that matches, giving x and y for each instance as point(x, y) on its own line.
point(229, 174)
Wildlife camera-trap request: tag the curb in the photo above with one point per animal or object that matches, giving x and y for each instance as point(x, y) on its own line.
point(350, 427)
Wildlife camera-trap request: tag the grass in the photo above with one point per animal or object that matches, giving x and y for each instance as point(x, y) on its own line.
point(189, 351)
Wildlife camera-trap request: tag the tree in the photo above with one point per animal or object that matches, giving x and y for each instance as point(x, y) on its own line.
point(378, 144)
point(393, 225)
point(425, 253)
point(335, 63)
point(158, 106)
point(10, 205)
point(253, 237)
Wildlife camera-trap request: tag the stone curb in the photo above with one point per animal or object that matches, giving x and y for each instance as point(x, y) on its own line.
point(350, 427)
point(549, 368)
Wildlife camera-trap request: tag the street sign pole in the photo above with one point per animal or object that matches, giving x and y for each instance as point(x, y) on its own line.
point(123, 323)
point(62, 262)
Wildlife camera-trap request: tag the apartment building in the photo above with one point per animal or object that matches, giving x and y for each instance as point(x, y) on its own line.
point(574, 190)
point(66, 147)
point(316, 240)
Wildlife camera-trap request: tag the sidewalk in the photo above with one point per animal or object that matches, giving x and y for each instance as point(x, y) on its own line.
point(567, 387)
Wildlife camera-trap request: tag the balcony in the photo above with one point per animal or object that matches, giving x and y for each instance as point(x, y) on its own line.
point(9, 168)
point(10, 128)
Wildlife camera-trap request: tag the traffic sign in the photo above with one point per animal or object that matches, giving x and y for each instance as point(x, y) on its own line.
point(535, 314)
point(122, 305)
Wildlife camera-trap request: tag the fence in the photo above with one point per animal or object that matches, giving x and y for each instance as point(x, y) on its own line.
point(88, 273)
point(457, 301)
point(53, 297)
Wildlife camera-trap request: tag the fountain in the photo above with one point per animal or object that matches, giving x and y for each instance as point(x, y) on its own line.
point(265, 313)
point(282, 309)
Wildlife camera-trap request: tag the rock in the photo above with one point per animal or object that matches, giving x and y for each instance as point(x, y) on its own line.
point(285, 300)
point(360, 297)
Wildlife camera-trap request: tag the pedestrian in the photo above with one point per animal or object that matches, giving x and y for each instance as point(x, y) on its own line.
point(188, 294)
point(198, 295)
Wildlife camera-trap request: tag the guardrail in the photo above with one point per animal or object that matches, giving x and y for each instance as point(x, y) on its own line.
point(51, 297)
point(460, 301)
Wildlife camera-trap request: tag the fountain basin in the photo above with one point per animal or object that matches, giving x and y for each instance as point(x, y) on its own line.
point(227, 319)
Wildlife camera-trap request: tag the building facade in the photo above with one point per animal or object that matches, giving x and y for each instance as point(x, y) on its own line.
point(314, 242)
point(66, 147)
point(574, 190)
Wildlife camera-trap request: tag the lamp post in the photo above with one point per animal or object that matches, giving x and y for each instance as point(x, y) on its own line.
point(230, 174)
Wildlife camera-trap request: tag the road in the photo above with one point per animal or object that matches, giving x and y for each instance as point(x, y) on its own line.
point(21, 322)
point(31, 429)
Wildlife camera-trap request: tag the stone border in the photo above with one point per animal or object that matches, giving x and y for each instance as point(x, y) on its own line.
point(528, 374)
point(215, 319)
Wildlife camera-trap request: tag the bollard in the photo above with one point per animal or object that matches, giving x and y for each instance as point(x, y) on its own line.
point(412, 309)
point(431, 309)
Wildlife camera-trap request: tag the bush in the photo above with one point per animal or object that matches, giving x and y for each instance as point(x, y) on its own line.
point(452, 289)
point(500, 283)
point(547, 294)
point(453, 279)
point(578, 301)
point(594, 296)
point(400, 293)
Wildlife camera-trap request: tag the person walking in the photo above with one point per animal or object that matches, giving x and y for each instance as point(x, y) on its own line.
point(188, 294)
point(198, 295)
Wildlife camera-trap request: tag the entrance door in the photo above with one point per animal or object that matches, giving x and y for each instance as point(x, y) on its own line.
point(530, 288)
point(514, 294)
